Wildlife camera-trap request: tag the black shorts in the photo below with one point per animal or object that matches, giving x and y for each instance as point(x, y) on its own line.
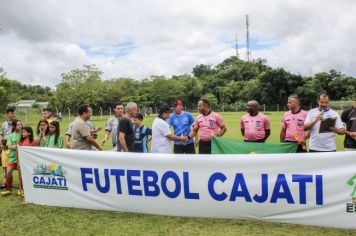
point(184, 149)
point(204, 147)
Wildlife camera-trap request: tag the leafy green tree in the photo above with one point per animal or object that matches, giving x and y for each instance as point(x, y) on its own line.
point(213, 100)
point(80, 86)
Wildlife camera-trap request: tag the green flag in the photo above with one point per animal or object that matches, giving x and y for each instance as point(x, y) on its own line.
point(222, 146)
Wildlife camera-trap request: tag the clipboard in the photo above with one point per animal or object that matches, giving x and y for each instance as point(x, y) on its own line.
point(326, 124)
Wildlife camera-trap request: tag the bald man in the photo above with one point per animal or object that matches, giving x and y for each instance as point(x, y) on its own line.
point(255, 126)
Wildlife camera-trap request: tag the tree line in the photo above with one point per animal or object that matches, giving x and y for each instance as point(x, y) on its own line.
point(232, 83)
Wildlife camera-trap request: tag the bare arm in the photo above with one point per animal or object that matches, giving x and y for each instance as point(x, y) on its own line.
point(194, 132)
point(340, 131)
point(267, 134)
point(92, 141)
point(222, 131)
point(282, 135)
point(122, 141)
point(106, 138)
point(67, 141)
point(196, 139)
point(311, 124)
point(172, 137)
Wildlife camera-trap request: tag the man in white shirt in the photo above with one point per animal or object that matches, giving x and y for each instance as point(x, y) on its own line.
point(323, 142)
point(161, 133)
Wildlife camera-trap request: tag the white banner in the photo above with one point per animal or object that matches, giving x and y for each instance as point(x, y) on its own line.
point(312, 189)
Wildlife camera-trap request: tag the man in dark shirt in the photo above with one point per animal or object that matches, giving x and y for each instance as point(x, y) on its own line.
point(126, 133)
point(348, 116)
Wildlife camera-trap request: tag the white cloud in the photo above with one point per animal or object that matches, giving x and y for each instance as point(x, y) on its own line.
point(41, 40)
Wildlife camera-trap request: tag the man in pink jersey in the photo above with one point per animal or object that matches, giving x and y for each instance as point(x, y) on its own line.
point(210, 124)
point(293, 124)
point(255, 126)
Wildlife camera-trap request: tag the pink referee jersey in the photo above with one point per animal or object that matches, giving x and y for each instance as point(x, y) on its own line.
point(255, 126)
point(209, 125)
point(294, 125)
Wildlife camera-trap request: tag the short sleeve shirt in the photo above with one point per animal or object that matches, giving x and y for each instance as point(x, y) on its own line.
point(112, 126)
point(13, 139)
point(70, 127)
point(125, 126)
point(6, 129)
point(322, 141)
point(349, 117)
point(209, 125)
point(160, 142)
point(79, 132)
point(254, 126)
point(181, 125)
point(141, 138)
point(294, 125)
point(51, 142)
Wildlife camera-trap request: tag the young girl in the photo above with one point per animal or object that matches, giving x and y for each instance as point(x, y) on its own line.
point(26, 140)
point(12, 141)
point(42, 132)
point(54, 139)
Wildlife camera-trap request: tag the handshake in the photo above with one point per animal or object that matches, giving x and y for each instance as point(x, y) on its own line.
point(183, 139)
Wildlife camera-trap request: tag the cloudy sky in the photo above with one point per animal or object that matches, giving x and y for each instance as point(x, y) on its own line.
point(39, 40)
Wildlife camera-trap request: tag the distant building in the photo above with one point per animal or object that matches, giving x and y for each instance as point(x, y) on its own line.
point(25, 103)
point(28, 104)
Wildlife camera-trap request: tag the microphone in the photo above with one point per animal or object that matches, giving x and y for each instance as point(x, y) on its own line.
point(322, 111)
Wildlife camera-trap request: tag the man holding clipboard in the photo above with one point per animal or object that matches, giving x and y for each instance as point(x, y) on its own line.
point(323, 123)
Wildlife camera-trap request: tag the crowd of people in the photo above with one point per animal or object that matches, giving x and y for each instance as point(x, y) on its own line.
point(128, 134)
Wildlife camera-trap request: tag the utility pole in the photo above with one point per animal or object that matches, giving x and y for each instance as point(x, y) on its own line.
point(248, 50)
point(237, 48)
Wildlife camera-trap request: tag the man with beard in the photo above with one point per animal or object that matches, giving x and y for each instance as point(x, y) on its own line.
point(323, 141)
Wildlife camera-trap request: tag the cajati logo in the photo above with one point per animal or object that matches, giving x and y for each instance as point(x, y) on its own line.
point(351, 207)
point(50, 177)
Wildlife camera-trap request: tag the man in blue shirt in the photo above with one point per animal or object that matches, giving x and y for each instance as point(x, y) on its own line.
point(181, 122)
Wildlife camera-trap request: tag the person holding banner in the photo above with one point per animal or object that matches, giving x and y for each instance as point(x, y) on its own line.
point(82, 138)
point(181, 122)
point(348, 116)
point(293, 124)
point(112, 127)
point(255, 126)
point(27, 139)
point(6, 130)
point(161, 133)
point(321, 141)
point(210, 124)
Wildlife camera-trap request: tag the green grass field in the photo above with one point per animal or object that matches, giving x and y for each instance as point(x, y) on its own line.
point(17, 218)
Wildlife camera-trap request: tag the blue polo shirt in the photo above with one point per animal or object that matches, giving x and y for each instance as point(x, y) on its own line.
point(181, 124)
